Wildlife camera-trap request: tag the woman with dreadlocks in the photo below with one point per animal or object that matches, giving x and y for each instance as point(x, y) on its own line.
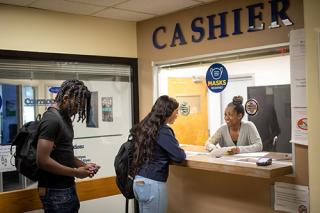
point(154, 147)
point(55, 156)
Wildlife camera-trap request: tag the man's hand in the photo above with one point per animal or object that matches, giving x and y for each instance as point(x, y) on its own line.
point(93, 169)
point(82, 172)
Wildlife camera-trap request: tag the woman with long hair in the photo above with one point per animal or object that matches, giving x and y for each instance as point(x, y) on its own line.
point(154, 147)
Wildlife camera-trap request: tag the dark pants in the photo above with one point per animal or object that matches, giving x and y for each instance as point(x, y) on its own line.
point(59, 200)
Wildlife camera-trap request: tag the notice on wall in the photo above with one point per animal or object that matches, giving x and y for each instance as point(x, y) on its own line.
point(6, 159)
point(107, 111)
point(93, 120)
point(297, 66)
point(291, 198)
point(80, 152)
point(299, 125)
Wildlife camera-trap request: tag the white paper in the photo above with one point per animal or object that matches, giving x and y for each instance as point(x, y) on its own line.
point(291, 198)
point(6, 159)
point(299, 126)
point(191, 153)
point(297, 66)
point(252, 154)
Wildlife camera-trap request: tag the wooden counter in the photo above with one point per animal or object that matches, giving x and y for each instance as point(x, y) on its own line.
point(241, 164)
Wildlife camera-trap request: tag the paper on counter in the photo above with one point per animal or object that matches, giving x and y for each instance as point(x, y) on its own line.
point(191, 153)
point(252, 154)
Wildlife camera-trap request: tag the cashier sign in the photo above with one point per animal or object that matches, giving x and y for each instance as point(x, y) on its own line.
point(217, 78)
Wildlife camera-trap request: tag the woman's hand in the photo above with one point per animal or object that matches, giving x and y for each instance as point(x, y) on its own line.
point(235, 150)
point(210, 147)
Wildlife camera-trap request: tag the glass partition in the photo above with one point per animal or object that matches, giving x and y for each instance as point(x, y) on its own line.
point(202, 111)
point(28, 87)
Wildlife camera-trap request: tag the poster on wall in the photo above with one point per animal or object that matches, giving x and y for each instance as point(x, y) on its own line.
point(291, 197)
point(93, 118)
point(297, 66)
point(299, 125)
point(107, 111)
point(6, 159)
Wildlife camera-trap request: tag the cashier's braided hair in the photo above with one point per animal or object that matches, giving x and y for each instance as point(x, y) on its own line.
point(237, 105)
point(79, 93)
point(146, 131)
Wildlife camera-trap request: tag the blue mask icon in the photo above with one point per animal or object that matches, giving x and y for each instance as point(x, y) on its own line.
point(216, 73)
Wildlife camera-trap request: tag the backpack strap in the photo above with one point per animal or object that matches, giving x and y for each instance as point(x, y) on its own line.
point(130, 157)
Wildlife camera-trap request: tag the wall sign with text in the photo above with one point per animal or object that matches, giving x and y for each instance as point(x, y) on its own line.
point(217, 78)
point(213, 26)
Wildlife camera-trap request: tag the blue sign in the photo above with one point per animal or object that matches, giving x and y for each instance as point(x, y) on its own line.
point(54, 89)
point(217, 78)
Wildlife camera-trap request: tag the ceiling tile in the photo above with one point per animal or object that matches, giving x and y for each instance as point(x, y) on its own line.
point(106, 3)
point(17, 2)
point(66, 6)
point(123, 15)
point(158, 7)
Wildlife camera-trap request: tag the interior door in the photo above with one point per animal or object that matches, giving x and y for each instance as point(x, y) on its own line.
point(191, 126)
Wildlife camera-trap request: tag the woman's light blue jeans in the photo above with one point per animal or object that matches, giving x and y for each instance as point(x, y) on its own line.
point(151, 195)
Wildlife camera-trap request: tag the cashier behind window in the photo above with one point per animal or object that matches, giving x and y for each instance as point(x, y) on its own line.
point(236, 136)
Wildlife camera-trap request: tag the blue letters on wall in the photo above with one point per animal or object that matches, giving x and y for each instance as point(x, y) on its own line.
point(217, 23)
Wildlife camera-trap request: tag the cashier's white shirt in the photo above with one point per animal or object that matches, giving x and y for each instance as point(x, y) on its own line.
point(248, 141)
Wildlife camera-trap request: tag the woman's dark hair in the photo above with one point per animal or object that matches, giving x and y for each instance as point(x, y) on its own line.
point(237, 105)
point(145, 132)
point(76, 90)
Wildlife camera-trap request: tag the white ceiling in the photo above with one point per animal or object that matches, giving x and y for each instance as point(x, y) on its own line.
point(128, 10)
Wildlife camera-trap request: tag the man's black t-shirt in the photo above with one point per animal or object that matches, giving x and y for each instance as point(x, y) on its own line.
point(57, 129)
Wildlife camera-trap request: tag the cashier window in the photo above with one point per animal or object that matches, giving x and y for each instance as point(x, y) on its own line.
point(264, 76)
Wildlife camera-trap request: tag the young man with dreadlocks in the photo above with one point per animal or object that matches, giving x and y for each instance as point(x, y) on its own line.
point(55, 156)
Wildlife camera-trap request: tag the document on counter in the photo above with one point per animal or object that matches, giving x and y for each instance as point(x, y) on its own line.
point(252, 154)
point(192, 153)
point(291, 197)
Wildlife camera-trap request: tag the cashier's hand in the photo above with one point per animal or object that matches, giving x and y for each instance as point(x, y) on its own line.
point(210, 147)
point(235, 150)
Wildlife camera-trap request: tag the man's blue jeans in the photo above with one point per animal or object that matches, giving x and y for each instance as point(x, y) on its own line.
point(151, 195)
point(59, 200)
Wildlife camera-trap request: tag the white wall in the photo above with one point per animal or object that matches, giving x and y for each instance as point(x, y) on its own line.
point(265, 71)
